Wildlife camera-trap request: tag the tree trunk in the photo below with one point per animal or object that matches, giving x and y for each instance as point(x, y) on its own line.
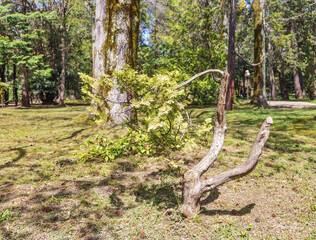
point(15, 87)
point(302, 82)
point(284, 93)
point(25, 93)
point(258, 97)
point(296, 77)
point(231, 57)
point(116, 41)
point(313, 91)
point(312, 70)
point(2, 79)
point(272, 82)
point(62, 91)
point(194, 185)
point(271, 75)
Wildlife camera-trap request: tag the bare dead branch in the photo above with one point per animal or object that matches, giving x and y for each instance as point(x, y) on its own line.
point(219, 130)
point(216, 79)
point(189, 124)
point(194, 186)
point(199, 75)
point(249, 63)
point(247, 167)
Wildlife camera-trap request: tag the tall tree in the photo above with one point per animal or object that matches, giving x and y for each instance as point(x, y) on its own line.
point(116, 41)
point(271, 73)
point(296, 75)
point(258, 97)
point(231, 57)
point(64, 13)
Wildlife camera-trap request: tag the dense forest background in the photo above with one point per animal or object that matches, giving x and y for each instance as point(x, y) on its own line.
point(44, 44)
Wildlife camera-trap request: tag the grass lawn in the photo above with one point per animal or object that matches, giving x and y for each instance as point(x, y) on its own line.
point(45, 193)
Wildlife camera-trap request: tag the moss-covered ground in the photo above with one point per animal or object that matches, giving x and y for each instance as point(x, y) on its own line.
point(45, 193)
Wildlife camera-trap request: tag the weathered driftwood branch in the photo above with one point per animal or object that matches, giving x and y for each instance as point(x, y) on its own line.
point(249, 63)
point(194, 186)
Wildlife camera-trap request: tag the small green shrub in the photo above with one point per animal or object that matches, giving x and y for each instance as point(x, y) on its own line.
point(6, 215)
point(100, 146)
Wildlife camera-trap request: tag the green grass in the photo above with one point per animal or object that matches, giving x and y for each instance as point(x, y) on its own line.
point(45, 193)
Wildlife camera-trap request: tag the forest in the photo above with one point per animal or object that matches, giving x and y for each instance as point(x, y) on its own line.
point(157, 119)
point(45, 44)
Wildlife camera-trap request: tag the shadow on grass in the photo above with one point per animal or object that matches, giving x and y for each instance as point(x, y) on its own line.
point(162, 195)
point(243, 211)
point(74, 134)
point(213, 195)
point(22, 153)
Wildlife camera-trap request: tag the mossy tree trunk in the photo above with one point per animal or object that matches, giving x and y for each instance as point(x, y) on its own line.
point(258, 97)
point(231, 56)
point(116, 41)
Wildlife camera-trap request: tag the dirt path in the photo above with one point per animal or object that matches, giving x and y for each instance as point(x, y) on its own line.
point(291, 104)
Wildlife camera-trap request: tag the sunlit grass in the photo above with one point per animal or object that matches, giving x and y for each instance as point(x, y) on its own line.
point(51, 195)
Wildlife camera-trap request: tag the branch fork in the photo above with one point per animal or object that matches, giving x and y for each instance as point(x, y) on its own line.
point(194, 185)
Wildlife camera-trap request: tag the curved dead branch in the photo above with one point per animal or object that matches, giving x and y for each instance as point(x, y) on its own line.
point(249, 63)
point(201, 74)
point(248, 166)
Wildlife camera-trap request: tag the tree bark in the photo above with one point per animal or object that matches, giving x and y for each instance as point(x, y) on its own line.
point(3, 79)
point(25, 93)
point(15, 88)
point(194, 185)
point(312, 70)
point(271, 75)
point(284, 93)
point(116, 41)
point(62, 92)
point(312, 97)
point(272, 82)
point(231, 57)
point(62, 89)
point(296, 77)
point(258, 97)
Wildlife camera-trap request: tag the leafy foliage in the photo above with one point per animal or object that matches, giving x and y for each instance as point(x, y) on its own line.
point(186, 37)
point(100, 146)
point(158, 123)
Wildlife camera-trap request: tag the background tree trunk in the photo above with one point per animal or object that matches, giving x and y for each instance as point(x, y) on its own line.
point(116, 41)
point(3, 79)
point(271, 74)
point(231, 56)
point(296, 77)
point(272, 82)
point(284, 93)
point(25, 93)
point(15, 88)
point(258, 97)
point(62, 90)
